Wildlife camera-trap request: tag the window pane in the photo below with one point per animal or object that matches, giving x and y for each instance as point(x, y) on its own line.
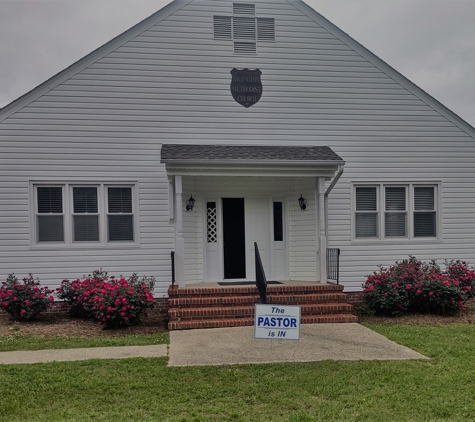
point(395, 224)
point(85, 200)
point(121, 227)
point(395, 199)
point(424, 224)
point(120, 200)
point(86, 228)
point(366, 225)
point(50, 228)
point(424, 198)
point(50, 200)
point(366, 199)
point(278, 222)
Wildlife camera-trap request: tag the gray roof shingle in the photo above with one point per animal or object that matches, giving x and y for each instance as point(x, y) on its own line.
point(213, 153)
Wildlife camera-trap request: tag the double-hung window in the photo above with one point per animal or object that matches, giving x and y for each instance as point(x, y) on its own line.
point(49, 214)
point(367, 212)
point(84, 214)
point(395, 211)
point(120, 218)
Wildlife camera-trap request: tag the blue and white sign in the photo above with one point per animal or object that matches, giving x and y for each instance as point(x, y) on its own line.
point(277, 322)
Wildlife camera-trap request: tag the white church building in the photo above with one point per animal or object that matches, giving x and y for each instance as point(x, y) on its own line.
point(213, 125)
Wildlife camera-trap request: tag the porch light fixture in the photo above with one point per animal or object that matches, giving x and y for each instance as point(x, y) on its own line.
point(302, 203)
point(191, 204)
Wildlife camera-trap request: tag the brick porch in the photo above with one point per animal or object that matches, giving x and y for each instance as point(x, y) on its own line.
point(210, 305)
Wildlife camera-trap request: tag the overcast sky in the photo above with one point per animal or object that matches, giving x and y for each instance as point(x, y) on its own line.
point(431, 42)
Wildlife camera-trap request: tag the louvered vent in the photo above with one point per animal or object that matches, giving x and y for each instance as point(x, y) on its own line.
point(245, 47)
point(244, 9)
point(265, 29)
point(222, 27)
point(244, 28)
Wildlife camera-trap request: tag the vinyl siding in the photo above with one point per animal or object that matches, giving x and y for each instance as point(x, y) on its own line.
point(170, 84)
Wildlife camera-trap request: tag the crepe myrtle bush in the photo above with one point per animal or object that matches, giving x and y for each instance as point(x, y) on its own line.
point(24, 300)
point(415, 286)
point(113, 302)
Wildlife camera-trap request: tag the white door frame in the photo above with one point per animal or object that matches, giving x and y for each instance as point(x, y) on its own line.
point(215, 271)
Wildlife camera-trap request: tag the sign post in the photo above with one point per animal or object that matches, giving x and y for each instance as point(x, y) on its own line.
point(277, 322)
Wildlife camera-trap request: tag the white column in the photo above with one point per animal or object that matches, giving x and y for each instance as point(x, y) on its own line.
point(321, 223)
point(179, 241)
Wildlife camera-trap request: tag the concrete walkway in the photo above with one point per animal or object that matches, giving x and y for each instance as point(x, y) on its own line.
point(229, 346)
point(64, 355)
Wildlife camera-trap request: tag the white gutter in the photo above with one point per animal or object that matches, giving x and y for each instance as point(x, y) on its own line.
point(325, 199)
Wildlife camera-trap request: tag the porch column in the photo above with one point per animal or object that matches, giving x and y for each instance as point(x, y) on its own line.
point(322, 238)
point(179, 241)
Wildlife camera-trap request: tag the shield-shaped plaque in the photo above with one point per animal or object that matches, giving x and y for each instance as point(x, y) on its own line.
point(246, 86)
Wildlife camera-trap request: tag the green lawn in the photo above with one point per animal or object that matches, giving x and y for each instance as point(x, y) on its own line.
point(442, 389)
point(20, 342)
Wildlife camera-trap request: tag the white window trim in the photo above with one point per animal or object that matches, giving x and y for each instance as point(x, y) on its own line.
point(380, 193)
point(68, 209)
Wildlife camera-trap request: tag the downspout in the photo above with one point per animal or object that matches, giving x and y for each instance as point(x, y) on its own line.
point(325, 199)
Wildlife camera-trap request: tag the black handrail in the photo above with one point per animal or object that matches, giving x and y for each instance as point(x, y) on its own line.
point(333, 264)
point(261, 282)
point(173, 267)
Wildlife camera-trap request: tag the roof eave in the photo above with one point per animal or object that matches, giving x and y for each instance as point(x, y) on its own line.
point(180, 162)
point(90, 58)
point(384, 67)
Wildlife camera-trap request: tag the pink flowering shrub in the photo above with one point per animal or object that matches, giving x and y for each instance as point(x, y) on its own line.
point(415, 286)
point(24, 300)
point(112, 302)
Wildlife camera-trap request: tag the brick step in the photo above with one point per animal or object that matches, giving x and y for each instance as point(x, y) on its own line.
point(185, 314)
point(242, 322)
point(176, 292)
point(281, 299)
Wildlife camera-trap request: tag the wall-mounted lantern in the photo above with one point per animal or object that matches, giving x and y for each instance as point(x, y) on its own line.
point(302, 203)
point(191, 204)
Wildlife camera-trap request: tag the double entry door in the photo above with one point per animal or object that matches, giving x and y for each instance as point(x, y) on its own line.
point(233, 225)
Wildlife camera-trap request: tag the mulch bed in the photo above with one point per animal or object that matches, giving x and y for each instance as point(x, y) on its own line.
point(466, 317)
point(60, 324)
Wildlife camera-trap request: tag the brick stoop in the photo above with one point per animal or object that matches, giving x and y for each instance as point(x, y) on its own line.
point(191, 308)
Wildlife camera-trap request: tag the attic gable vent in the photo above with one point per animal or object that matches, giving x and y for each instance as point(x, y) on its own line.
point(222, 27)
point(265, 29)
point(245, 31)
point(245, 47)
point(244, 9)
point(244, 28)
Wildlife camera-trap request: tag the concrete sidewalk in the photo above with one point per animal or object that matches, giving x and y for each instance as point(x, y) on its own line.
point(64, 355)
point(230, 346)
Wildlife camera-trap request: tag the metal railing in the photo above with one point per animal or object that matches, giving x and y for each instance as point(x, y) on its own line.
point(172, 254)
point(261, 282)
point(333, 264)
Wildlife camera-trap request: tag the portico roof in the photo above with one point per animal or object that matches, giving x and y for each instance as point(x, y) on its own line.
point(250, 160)
point(214, 154)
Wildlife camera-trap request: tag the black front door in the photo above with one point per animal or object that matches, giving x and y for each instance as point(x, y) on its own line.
point(234, 238)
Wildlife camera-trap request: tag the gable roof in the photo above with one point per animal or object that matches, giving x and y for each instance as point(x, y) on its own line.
point(174, 153)
point(175, 5)
point(92, 57)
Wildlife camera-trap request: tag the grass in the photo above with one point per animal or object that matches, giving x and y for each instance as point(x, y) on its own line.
point(441, 389)
point(21, 342)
